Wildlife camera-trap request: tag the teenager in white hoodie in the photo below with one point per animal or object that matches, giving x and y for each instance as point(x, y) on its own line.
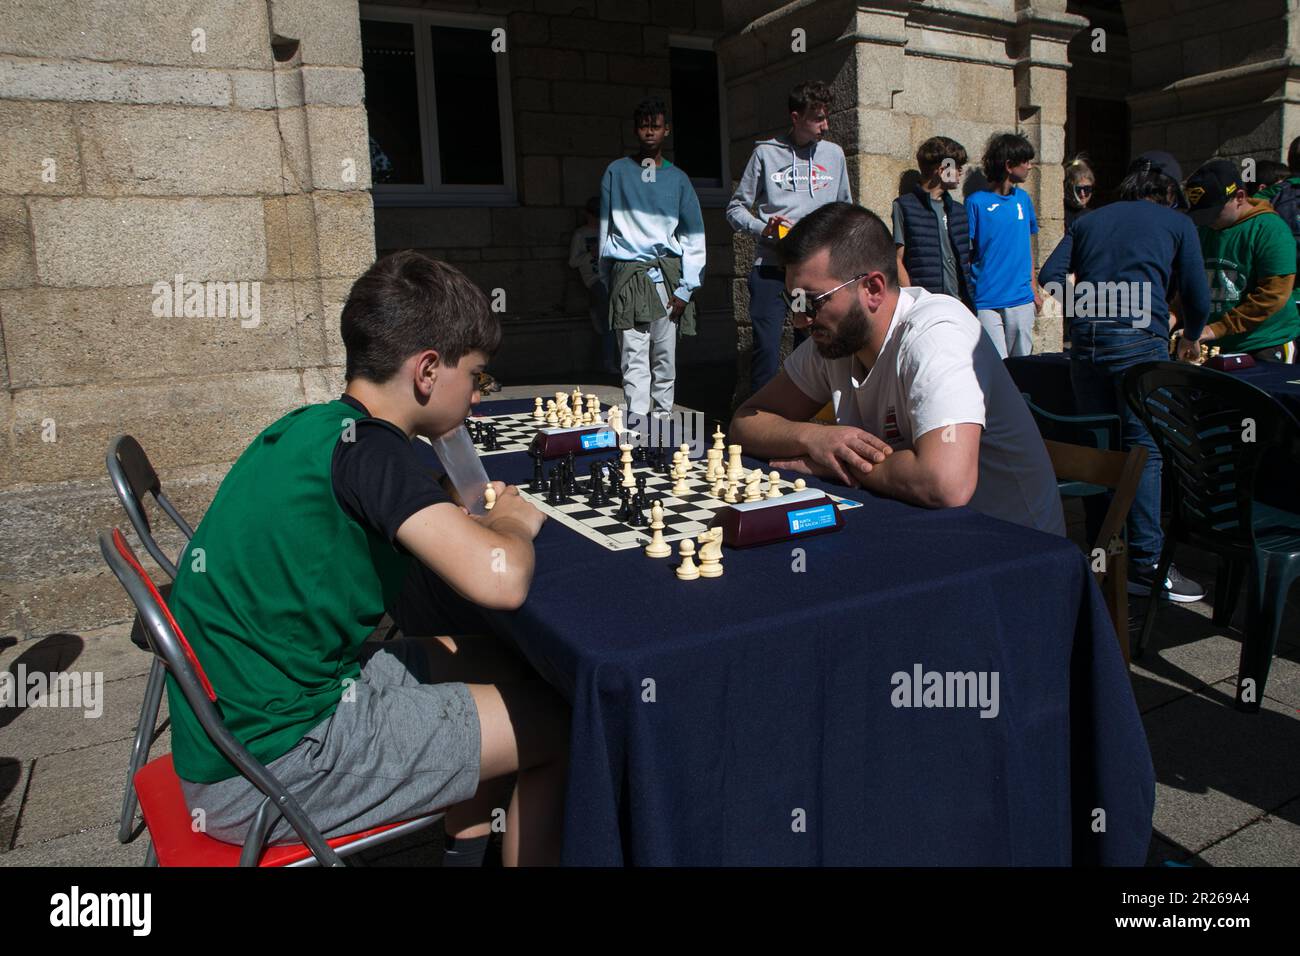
point(786, 178)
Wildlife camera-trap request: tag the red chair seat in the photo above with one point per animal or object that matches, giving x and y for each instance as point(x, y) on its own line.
point(162, 802)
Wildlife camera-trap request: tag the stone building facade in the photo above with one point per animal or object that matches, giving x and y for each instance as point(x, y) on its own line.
point(262, 144)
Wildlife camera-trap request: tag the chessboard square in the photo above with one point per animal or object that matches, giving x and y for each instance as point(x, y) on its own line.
point(697, 514)
point(628, 537)
point(687, 527)
point(571, 508)
point(601, 521)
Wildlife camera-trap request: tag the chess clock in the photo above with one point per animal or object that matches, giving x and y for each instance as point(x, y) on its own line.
point(581, 440)
point(799, 514)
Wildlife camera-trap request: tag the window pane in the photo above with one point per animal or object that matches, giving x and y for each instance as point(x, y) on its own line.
point(469, 110)
point(696, 121)
point(392, 101)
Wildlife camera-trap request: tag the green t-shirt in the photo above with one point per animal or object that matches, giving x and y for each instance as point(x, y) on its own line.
point(1236, 259)
point(276, 594)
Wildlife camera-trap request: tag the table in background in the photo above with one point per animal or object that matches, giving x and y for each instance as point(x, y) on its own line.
point(771, 738)
point(1046, 379)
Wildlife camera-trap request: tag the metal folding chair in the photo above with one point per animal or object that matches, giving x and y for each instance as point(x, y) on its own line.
point(134, 477)
point(1215, 432)
point(174, 841)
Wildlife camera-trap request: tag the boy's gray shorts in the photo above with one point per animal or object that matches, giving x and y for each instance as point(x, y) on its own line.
point(404, 747)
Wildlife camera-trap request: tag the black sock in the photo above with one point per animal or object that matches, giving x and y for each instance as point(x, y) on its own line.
point(467, 851)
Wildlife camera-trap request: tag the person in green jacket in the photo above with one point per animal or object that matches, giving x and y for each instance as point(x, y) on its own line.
point(1250, 262)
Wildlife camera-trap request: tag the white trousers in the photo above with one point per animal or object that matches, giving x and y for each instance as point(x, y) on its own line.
point(1011, 329)
point(649, 359)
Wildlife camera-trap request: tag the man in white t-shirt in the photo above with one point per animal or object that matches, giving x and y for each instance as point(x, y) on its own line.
point(924, 409)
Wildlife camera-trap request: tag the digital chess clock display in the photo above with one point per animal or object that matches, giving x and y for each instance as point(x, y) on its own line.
point(810, 519)
point(600, 439)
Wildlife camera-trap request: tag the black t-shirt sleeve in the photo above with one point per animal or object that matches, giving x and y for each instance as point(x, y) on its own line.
point(379, 480)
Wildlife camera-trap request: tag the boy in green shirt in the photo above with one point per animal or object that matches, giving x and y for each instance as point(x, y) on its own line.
point(1250, 261)
point(325, 522)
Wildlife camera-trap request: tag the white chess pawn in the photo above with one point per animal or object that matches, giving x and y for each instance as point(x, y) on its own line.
point(733, 486)
point(773, 485)
point(800, 484)
point(687, 571)
point(489, 498)
point(552, 416)
point(719, 487)
point(658, 547)
point(538, 414)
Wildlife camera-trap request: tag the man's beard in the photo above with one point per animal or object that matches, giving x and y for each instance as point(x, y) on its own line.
point(851, 336)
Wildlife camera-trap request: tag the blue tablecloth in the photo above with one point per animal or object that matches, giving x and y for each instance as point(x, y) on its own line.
point(750, 719)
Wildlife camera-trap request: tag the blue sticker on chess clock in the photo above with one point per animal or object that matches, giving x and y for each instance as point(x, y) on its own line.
point(600, 439)
point(810, 519)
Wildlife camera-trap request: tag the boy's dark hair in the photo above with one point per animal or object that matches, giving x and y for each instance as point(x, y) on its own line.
point(1147, 180)
point(858, 241)
point(1004, 148)
point(1268, 172)
point(649, 108)
point(407, 302)
point(811, 94)
point(931, 154)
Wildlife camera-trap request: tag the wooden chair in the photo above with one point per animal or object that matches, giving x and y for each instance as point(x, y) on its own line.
point(1120, 472)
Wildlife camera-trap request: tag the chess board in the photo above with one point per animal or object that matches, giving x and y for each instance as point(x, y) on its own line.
point(514, 432)
point(685, 516)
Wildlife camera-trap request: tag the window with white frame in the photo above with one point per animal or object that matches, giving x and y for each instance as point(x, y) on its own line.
point(699, 130)
point(438, 105)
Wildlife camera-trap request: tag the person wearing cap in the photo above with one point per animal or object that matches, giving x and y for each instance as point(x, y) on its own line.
point(1250, 261)
point(1137, 244)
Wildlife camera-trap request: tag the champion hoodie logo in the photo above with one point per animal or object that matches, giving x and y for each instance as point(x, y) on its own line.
point(795, 177)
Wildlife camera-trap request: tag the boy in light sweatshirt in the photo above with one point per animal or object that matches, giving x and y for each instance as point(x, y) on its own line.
point(786, 178)
point(651, 260)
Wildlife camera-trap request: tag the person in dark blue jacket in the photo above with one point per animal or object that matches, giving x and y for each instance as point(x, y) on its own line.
point(930, 228)
point(1127, 259)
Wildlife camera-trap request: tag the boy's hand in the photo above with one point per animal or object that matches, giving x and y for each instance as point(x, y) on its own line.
point(511, 509)
point(675, 309)
point(773, 225)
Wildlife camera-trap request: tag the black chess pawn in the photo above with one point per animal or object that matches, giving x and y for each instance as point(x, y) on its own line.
point(556, 492)
point(640, 486)
point(492, 437)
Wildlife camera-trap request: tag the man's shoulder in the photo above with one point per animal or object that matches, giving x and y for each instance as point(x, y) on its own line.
point(933, 312)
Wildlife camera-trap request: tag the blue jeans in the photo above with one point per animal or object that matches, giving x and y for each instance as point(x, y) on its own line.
point(1100, 355)
point(767, 315)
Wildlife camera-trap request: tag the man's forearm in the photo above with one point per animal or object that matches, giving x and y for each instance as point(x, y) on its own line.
point(902, 476)
point(768, 435)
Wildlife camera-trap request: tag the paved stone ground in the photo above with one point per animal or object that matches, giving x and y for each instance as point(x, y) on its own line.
point(1228, 790)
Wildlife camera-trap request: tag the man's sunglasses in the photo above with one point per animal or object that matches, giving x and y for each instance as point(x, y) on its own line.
point(1083, 190)
point(810, 306)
